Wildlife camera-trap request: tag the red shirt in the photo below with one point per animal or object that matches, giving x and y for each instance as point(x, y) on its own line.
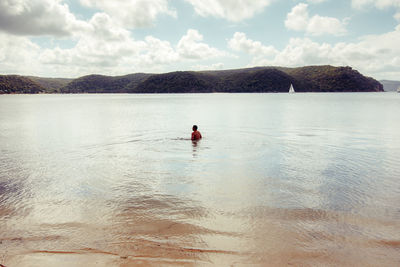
point(196, 135)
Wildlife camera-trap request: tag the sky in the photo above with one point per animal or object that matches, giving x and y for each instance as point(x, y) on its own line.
point(72, 38)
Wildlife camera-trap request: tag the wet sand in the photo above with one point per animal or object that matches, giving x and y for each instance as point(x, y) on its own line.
point(264, 237)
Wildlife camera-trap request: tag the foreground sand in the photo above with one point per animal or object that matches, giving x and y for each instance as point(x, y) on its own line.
point(274, 237)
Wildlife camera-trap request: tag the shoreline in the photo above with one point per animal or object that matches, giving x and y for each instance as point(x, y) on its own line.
point(202, 93)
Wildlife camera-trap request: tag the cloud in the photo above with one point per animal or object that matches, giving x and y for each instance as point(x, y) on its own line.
point(108, 48)
point(299, 20)
point(156, 52)
point(132, 13)
point(239, 42)
point(397, 16)
point(232, 10)
point(102, 42)
point(102, 47)
point(17, 54)
point(191, 47)
point(381, 4)
point(215, 66)
point(376, 55)
point(53, 17)
point(377, 3)
point(316, 1)
point(37, 17)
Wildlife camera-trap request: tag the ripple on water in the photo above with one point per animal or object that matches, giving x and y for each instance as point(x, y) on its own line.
point(274, 181)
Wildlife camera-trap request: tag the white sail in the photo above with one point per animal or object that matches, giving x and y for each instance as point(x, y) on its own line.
point(291, 90)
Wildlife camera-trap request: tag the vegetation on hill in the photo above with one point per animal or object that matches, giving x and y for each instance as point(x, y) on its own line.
point(331, 79)
point(14, 84)
point(104, 84)
point(259, 79)
point(253, 80)
point(175, 82)
point(52, 85)
point(248, 80)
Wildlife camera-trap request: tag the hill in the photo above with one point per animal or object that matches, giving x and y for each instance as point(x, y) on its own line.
point(331, 79)
point(258, 79)
point(52, 85)
point(252, 80)
point(175, 82)
point(262, 79)
point(104, 84)
point(390, 85)
point(15, 84)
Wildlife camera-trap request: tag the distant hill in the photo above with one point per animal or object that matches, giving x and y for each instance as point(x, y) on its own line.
point(390, 85)
point(252, 80)
point(262, 79)
point(52, 85)
point(105, 84)
point(259, 79)
point(175, 82)
point(331, 79)
point(15, 84)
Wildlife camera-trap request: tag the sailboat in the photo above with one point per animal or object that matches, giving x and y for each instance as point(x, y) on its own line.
point(291, 90)
point(398, 89)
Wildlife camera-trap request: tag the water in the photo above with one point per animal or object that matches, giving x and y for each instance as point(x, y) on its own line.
point(278, 179)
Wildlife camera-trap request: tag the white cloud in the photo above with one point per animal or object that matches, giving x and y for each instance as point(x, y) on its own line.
point(102, 44)
point(316, 1)
point(132, 13)
point(18, 55)
point(301, 52)
point(375, 55)
point(53, 17)
point(37, 17)
point(232, 10)
point(299, 20)
point(377, 3)
point(102, 47)
point(157, 53)
point(215, 66)
point(109, 49)
point(239, 42)
point(381, 4)
point(397, 16)
point(191, 47)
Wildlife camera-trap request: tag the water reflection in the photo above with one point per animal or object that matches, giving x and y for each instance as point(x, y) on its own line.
point(282, 186)
point(194, 145)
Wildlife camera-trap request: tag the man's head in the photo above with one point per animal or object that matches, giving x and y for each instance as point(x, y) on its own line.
point(194, 128)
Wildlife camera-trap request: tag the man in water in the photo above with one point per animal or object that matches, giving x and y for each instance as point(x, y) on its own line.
point(196, 135)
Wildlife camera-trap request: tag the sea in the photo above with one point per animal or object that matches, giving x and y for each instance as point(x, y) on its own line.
point(305, 179)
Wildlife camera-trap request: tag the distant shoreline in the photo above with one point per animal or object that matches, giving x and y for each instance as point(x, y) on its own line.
point(250, 80)
point(222, 93)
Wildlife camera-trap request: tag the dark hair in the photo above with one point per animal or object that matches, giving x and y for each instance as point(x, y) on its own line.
point(194, 127)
